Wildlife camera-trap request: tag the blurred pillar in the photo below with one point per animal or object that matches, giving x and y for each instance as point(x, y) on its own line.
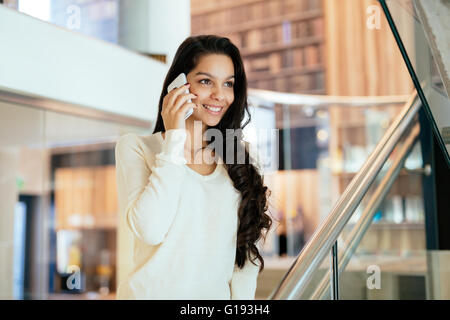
point(154, 26)
point(8, 199)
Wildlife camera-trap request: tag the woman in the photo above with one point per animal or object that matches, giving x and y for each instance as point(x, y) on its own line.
point(196, 223)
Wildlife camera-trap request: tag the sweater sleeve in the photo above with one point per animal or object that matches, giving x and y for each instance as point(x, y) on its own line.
point(244, 281)
point(152, 189)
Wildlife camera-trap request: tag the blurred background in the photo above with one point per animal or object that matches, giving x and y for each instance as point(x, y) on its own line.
point(326, 80)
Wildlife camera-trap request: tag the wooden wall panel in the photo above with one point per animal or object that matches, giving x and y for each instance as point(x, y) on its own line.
point(291, 190)
point(100, 194)
point(82, 181)
point(111, 197)
point(86, 197)
point(63, 196)
point(361, 62)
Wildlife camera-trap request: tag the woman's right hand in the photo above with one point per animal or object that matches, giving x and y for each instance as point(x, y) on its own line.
point(175, 106)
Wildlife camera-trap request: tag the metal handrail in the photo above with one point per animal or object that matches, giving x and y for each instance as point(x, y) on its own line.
point(323, 100)
point(360, 228)
point(301, 272)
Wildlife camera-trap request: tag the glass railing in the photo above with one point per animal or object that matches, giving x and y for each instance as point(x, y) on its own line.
point(426, 53)
point(317, 149)
point(374, 247)
point(384, 241)
point(371, 183)
point(382, 249)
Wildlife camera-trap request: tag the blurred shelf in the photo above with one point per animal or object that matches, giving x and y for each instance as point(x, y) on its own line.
point(78, 148)
point(347, 125)
point(196, 11)
point(266, 23)
point(406, 184)
point(312, 91)
point(414, 264)
point(407, 225)
point(398, 226)
point(285, 72)
point(281, 42)
point(265, 49)
point(350, 175)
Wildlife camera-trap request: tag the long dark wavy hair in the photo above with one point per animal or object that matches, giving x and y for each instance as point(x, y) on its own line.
point(253, 219)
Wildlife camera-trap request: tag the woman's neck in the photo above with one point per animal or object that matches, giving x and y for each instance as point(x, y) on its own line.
point(195, 130)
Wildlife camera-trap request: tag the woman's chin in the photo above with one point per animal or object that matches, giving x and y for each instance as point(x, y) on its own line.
point(212, 122)
point(209, 121)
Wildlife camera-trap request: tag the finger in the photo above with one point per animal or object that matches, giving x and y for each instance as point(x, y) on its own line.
point(175, 93)
point(184, 108)
point(186, 85)
point(183, 99)
point(165, 102)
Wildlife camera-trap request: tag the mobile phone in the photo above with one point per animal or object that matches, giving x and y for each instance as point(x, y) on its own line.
point(178, 82)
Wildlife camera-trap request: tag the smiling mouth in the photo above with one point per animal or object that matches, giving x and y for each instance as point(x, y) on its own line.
point(213, 110)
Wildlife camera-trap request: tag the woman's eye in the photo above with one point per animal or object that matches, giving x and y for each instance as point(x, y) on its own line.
point(230, 84)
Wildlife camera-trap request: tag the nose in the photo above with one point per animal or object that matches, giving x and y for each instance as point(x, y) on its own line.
point(217, 93)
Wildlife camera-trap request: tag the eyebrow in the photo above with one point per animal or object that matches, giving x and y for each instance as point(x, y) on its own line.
point(211, 76)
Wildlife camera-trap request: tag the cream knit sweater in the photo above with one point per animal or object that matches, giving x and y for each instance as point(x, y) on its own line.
point(184, 224)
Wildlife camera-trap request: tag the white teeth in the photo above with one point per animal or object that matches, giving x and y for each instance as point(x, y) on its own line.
point(212, 109)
